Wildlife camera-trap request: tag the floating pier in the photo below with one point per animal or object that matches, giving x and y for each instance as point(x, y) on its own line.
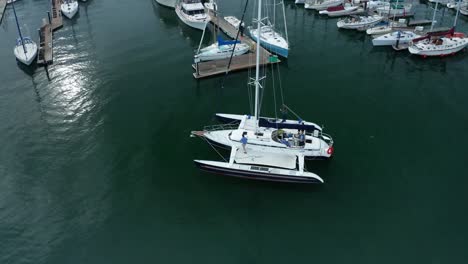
point(422, 22)
point(55, 15)
point(2, 9)
point(45, 54)
point(216, 67)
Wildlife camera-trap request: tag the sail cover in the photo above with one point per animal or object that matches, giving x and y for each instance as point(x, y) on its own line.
point(221, 41)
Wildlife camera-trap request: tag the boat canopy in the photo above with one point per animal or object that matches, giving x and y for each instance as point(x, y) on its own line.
point(335, 8)
point(265, 159)
point(222, 42)
point(435, 34)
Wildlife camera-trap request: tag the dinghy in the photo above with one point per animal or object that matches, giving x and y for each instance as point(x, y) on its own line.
point(233, 21)
point(69, 8)
point(192, 13)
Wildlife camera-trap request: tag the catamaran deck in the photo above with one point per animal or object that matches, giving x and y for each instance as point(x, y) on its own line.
point(56, 15)
point(2, 9)
point(45, 54)
point(216, 67)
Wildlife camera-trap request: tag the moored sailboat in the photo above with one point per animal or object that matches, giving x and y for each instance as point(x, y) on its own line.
point(25, 49)
point(69, 8)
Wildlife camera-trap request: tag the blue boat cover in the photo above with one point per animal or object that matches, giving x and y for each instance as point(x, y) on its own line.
point(221, 41)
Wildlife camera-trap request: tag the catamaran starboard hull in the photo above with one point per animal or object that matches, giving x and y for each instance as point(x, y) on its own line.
point(255, 172)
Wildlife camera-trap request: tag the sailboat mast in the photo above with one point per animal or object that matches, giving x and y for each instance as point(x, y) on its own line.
point(257, 63)
point(19, 30)
point(434, 15)
point(456, 16)
point(285, 26)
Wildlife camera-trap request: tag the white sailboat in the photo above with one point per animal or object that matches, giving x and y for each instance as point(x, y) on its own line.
point(192, 13)
point(322, 4)
point(341, 10)
point(257, 152)
point(167, 3)
point(439, 43)
point(25, 49)
point(271, 39)
point(221, 50)
point(356, 22)
point(389, 39)
point(69, 8)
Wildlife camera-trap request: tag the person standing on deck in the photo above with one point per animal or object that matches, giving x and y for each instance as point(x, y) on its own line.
point(244, 141)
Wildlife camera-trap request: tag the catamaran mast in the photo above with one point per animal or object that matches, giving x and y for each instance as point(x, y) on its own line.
point(257, 63)
point(19, 30)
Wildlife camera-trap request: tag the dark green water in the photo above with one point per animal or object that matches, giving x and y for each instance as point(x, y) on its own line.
point(96, 164)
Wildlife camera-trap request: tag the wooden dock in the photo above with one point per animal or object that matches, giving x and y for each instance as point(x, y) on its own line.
point(45, 54)
point(55, 15)
point(2, 9)
point(216, 67)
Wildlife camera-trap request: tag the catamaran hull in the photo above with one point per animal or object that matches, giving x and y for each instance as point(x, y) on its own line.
point(246, 171)
point(167, 3)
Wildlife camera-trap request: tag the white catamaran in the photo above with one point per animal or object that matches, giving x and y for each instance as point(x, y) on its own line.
point(272, 151)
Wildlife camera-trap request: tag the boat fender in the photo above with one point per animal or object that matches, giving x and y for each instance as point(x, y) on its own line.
point(330, 150)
